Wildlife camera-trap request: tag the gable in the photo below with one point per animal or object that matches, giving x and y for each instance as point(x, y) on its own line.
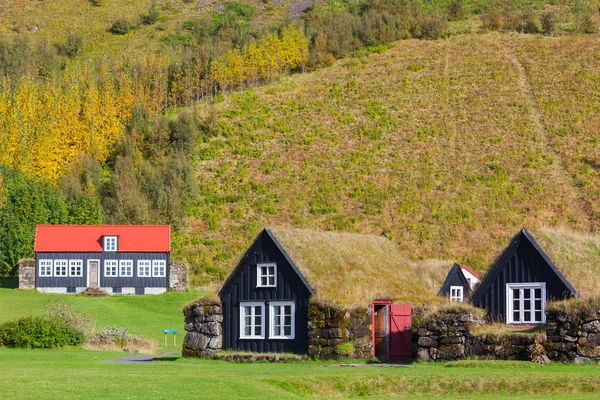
point(523, 261)
point(455, 277)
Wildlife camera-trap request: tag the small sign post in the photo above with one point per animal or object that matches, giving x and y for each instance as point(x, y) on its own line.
point(174, 332)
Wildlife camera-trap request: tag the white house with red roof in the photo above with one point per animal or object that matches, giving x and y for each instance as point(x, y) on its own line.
point(120, 259)
point(459, 282)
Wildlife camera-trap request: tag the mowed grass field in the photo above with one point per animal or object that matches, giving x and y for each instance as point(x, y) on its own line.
point(84, 374)
point(141, 315)
point(449, 147)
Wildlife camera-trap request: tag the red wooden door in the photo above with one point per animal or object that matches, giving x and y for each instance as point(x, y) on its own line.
point(400, 332)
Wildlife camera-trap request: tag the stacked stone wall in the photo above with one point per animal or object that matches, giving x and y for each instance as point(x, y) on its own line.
point(337, 332)
point(573, 335)
point(178, 275)
point(204, 326)
point(27, 274)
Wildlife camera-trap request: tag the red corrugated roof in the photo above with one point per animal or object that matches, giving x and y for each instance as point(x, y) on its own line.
point(88, 238)
point(475, 274)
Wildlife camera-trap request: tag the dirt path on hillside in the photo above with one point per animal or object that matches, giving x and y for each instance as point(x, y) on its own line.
point(540, 126)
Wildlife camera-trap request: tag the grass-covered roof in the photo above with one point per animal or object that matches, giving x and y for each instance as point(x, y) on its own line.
point(353, 269)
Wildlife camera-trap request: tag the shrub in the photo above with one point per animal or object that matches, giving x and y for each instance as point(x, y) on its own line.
point(548, 22)
point(120, 27)
point(588, 25)
point(63, 312)
point(39, 332)
point(344, 349)
point(152, 16)
point(433, 26)
point(456, 10)
point(492, 20)
point(528, 23)
point(111, 337)
point(72, 46)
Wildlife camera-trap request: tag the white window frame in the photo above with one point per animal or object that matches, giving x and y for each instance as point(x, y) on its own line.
point(459, 296)
point(259, 274)
point(142, 264)
point(113, 263)
point(61, 263)
point(278, 335)
point(76, 264)
point(124, 263)
point(254, 305)
point(160, 264)
point(509, 302)
point(46, 268)
point(110, 243)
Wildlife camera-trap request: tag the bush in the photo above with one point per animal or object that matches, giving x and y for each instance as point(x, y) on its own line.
point(120, 27)
point(345, 349)
point(72, 46)
point(457, 10)
point(39, 332)
point(528, 23)
point(433, 26)
point(152, 16)
point(63, 312)
point(588, 25)
point(492, 20)
point(548, 23)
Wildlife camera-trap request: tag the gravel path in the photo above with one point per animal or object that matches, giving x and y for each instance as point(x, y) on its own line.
point(140, 358)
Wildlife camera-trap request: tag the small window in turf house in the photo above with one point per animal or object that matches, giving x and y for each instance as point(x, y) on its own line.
point(266, 275)
point(252, 316)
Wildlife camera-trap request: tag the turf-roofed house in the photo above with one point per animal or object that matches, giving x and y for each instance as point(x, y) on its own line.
point(518, 287)
point(125, 259)
point(459, 283)
point(324, 294)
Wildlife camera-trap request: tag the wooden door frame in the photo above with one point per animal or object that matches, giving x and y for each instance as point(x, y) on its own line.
point(379, 303)
point(87, 281)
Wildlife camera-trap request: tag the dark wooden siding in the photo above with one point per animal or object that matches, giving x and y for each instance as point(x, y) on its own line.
point(526, 265)
point(42, 281)
point(242, 287)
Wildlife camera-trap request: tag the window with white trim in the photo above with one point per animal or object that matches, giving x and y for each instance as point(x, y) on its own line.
point(110, 243)
point(266, 275)
point(456, 293)
point(282, 315)
point(60, 267)
point(45, 267)
point(525, 303)
point(159, 268)
point(144, 268)
point(252, 317)
point(126, 268)
point(75, 267)
point(110, 268)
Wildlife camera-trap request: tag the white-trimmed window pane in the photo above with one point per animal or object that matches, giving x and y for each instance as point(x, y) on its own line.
point(525, 303)
point(282, 320)
point(75, 267)
point(251, 320)
point(266, 274)
point(45, 267)
point(110, 243)
point(110, 268)
point(158, 268)
point(126, 268)
point(456, 293)
point(60, 267)
point(144, 268)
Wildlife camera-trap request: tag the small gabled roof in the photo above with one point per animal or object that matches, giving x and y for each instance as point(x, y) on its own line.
point(348, 268)
point(455, 271)
point(88, 238)
point(523, 235)
point(469, 270)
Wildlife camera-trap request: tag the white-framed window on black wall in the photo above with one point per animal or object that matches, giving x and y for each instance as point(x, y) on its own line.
point(144, 268)
point(126, 268)
point(281, 317)
point(159, 268)
point(76, 268)
point(456, 293)
point(60, 267)
point(110, 268)
point(252, 320)
point(45, 267)
point(110, 243)
point(266, 275)
point(525, 303)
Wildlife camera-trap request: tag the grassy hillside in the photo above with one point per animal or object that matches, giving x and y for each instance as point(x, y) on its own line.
point(142, 315)
point(448, 147)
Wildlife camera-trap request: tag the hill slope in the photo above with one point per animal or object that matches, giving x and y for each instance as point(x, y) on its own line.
point(449, 147)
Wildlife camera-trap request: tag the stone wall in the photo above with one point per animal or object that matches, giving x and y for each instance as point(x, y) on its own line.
point(178, 275)
point(573, 334)
point(27, 274)
point(337, 332)
point(204, 326)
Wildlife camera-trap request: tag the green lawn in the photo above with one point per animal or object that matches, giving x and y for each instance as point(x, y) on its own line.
point(142, 315)
point(78, 374)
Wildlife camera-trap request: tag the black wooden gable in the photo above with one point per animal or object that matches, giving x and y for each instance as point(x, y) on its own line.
point(523, 261)
point(455, 277)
